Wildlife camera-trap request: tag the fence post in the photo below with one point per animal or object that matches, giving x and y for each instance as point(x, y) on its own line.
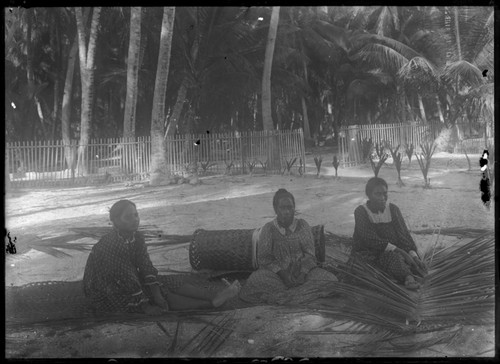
point(303, 150)
point(353, 143)
point(242, 157)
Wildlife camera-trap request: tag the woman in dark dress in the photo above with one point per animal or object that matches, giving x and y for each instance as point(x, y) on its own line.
point(381, 237)
point(119, 275)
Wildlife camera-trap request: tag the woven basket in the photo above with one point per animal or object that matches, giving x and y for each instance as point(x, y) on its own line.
point(235, 249)
point(222, 250)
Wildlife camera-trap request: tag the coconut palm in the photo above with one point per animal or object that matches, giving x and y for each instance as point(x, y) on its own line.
point(420, 75)
point(213, 71)
point(469, 46)
point(29, 72)
point(86, 52)
point(306, 47)
point(158, 152)
point(266, 75)
point(132, 73)
point(112, 67)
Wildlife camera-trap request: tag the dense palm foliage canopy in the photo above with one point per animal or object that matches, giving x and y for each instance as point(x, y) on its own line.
point(332, 66)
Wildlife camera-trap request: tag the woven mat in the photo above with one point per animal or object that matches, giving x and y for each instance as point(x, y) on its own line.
point(45, 302)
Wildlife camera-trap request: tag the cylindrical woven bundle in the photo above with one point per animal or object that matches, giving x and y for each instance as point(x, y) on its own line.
point(234, 250)
point(221, 249)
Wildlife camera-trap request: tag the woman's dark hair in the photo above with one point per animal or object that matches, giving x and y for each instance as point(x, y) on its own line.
point(117, 209)
point(282, 193)
point(374, 182)
point(485, 151)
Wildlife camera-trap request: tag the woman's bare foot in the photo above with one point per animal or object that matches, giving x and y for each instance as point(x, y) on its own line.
point(151, 310)
point(226, 294)
point(411, 283)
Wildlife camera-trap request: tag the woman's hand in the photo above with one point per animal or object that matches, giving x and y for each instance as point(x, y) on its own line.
point(299, 279)
point(407, 258)
point(414, 262)
point(286, 277)
point(420, 266)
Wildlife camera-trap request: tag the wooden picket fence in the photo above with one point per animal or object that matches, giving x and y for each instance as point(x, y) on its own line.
point(473, 146)
point(53, 163)
point(350, 138)
point(113, 160)
point(235, 152)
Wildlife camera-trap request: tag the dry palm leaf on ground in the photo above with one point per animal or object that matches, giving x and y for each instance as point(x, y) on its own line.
point(383, 317)
point(83, 238)
point(156, 239)
point(458, 291)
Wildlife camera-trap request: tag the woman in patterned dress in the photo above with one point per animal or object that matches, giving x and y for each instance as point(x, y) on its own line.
point(285, 255)
point(119, 275)
point(382, 238)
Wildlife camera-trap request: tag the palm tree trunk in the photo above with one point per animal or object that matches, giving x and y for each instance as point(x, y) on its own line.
point(55, 42)
point(158, 155)
point(422, 109)
point(68, 97)
point(402, 103)
point(144, 40)
point(66, 104)
point(307, 130)
point(182, 92)
point(448, 136)
point(457, 33)
point(179, 105)
point(87, 57)
point(440, 110)
point(267, 119)
point(132, 73)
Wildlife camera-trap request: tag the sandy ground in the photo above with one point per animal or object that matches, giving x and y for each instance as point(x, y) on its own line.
point(233, 202)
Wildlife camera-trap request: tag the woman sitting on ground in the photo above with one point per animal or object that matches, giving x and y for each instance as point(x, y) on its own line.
point(382, 238)
point(119, 275)
point(285, 255)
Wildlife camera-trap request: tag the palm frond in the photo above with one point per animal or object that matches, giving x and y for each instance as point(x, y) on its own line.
point(401, 48)
point(381, 56)
point(484, 57)
point(173, 344)
point(211, 336)
point(387, 20)
point(336, 35)
point(476, 33)
point(468, 72)
point(52, 245)
point(418, 65)
point(464, 232)
point(459, 290)
point(155, 239)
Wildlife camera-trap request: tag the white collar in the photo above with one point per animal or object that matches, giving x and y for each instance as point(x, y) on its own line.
point(126, 241)
point(379, 217)
point(282, 230)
